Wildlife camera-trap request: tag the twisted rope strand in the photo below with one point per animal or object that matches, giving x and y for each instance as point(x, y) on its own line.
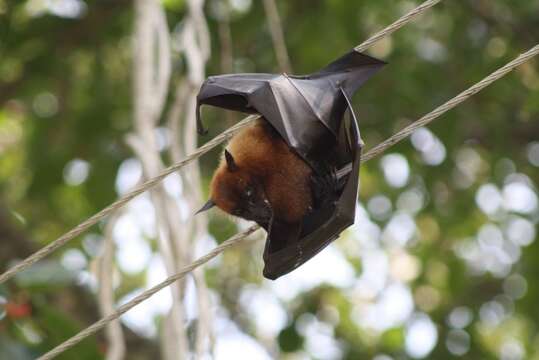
point(396, 25)
point(79, 229)
point(407, 131)
point(123, 200)
point(234, 240)
point(377, 150)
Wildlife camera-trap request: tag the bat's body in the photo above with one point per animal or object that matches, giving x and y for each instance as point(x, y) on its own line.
point(261, 179)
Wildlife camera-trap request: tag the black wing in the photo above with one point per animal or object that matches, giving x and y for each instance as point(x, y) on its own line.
point(325, 224)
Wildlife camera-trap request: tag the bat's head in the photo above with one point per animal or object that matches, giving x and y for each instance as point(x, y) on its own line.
point(237, 191)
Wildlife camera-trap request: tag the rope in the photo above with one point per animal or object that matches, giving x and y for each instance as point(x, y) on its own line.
point(79, 229)
point(377, 150)
point(396, 25)
point(407, 131)
point(234, 240)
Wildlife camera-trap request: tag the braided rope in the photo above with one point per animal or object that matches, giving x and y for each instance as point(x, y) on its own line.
point(234, 240)
point(396, 25)
point(407, 131)
point(79, 229)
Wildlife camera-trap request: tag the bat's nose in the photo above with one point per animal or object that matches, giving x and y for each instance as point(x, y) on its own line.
point(206, 206)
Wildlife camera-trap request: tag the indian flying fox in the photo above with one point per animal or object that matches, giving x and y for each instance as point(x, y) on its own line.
point(295, 170)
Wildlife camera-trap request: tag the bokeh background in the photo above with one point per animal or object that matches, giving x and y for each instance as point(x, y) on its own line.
point(443, 259)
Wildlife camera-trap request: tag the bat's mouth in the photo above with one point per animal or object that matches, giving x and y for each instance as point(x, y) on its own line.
point(262, 213)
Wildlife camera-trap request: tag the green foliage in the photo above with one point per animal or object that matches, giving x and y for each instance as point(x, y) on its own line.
point(65, 94)
point(290, 340)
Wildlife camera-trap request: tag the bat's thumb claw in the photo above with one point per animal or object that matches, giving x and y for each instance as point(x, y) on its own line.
point(200, 127)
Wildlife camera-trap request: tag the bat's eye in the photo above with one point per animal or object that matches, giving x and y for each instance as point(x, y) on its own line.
point(249, 192)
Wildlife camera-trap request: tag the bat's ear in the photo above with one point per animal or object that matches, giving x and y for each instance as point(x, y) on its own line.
point(208, 205)
point(230, 163)
point(200, 127)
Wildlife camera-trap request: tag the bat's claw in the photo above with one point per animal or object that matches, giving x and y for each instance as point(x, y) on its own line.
point(325, 187)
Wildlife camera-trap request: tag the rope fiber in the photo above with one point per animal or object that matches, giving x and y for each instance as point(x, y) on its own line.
point(82, 227)
point(234, 240)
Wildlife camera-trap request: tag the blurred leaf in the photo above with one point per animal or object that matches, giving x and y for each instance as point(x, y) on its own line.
point(290, 340)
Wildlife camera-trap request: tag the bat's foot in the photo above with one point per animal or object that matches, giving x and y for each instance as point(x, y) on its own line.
point(325, 187)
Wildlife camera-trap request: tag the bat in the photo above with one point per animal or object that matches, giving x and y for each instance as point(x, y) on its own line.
point(295, 172)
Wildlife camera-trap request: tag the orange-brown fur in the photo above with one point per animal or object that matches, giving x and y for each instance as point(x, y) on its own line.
point(262, 155)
